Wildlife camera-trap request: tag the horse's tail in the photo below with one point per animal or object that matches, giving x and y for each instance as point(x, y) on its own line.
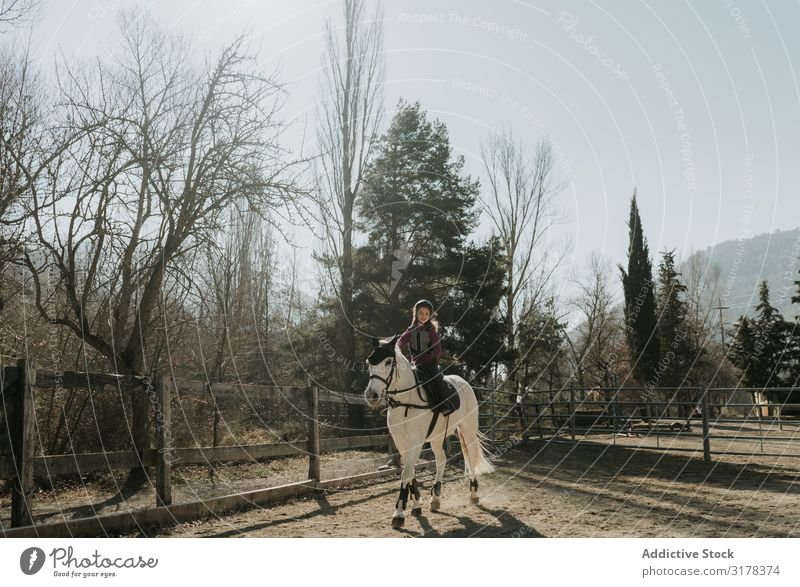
point(484, 465)
point(476, 452)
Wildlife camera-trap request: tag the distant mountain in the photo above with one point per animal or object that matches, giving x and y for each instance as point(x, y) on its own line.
point(745, 263)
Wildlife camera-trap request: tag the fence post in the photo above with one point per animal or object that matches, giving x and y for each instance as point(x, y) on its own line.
point(314, 469)
point(706, 439)
point(572, 410)
point(538, 412)
point(492, 420)
point(761, 419)
point(22, 433)
point(164, 454)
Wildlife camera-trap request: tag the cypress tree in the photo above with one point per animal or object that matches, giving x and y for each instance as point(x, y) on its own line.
point(640, 303)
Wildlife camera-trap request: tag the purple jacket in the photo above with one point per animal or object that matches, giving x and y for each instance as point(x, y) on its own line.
point(425, 344)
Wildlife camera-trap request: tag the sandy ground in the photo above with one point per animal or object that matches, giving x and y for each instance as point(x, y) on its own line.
point(556, 490)
point(100, 494)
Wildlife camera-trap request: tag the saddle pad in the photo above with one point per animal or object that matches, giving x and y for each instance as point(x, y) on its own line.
point(452, 395)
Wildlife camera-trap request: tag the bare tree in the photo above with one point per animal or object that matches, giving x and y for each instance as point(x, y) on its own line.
point(16, 121)
point(28, 142)
point(17, 12)
point(520, 205)
point(352, 96)
point(233, 293)
point(703, 296)
point(597, 331)
point(165, 149)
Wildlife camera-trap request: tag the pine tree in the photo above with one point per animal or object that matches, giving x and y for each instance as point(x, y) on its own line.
point(417, 209)
point(793, 343)
point(770, 335)
point(796, 297)
point(760, 344)
point(640, 303)
point(672, 328)
point(475, 327)
point(743, 351)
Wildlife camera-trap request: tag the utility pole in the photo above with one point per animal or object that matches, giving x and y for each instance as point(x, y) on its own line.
point(720, 307)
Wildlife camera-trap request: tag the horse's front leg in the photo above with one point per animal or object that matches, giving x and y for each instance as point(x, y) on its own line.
point(414, 494)
point(437, 444)
point(410, 457)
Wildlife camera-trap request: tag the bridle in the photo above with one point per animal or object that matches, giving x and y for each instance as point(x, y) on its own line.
point(393, 403)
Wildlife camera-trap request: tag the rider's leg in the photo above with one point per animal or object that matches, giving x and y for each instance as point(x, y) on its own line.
point(429, 375)
point(443, 392)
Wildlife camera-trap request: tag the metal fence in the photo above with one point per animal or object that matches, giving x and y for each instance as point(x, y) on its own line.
point(707, 421)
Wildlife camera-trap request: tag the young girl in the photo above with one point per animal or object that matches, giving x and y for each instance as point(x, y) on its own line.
point(425, 343)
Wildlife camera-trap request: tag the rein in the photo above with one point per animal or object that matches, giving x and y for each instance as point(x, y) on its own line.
point(393, 403)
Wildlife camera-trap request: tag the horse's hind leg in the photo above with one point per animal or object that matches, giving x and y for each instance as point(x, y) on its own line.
point(410, 457)
point(470, 465)
point(473, 490)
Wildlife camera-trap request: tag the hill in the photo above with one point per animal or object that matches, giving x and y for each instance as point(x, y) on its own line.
point(745, 263)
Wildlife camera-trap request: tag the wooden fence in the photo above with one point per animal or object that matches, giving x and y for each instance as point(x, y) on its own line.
point(18, 430)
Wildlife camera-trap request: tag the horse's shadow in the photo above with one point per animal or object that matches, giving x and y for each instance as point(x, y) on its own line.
point(325, 509)
point(510, 527)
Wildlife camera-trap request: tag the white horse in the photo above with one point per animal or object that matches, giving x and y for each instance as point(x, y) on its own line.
point(409, 418)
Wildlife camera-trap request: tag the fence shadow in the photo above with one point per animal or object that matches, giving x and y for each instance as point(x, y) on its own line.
point(674, 492)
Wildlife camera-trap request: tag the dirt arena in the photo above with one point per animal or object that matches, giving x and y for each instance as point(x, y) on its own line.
point(556, 490)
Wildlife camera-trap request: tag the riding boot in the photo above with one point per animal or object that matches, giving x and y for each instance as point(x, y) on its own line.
point(430, 378)
point(441, 392)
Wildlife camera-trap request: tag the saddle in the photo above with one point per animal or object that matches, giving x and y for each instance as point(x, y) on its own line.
point(451, 398)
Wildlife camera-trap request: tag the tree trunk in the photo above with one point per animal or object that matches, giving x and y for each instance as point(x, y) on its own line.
point(510, 339)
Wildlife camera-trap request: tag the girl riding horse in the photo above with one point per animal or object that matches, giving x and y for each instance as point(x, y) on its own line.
point(422, 336)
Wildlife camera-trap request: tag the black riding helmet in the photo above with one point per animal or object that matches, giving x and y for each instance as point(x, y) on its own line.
point(423, 303)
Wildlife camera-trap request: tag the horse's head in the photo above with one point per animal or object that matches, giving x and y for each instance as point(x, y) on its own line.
point(381, 364)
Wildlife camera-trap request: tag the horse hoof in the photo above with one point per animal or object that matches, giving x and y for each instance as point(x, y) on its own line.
point(474, 499)
point(398, 522)
point(435, 505)
point(416, 511)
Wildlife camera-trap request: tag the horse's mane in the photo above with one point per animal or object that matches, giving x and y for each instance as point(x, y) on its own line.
point(400, 357)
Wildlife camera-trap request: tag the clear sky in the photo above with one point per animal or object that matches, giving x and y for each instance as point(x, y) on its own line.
point(697, 104)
